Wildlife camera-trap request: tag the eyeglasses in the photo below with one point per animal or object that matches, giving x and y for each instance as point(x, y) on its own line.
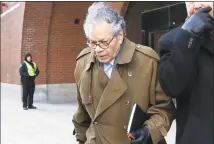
point(101, 44)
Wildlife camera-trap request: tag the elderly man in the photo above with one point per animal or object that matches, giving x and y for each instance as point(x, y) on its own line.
point(186, 73)
point(111, 75)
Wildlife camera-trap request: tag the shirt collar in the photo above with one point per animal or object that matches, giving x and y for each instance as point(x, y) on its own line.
point(112, 62)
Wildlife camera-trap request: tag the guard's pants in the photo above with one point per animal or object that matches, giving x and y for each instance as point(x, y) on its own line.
point(28, 92)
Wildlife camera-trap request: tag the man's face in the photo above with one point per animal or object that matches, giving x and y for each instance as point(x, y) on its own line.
point(193, 7)
point(29, 58)
point(105, 46)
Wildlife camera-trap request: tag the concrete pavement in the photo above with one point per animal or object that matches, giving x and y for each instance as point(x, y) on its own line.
point(49, 124)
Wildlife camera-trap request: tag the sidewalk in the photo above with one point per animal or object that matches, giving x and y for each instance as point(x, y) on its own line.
point(49, 124)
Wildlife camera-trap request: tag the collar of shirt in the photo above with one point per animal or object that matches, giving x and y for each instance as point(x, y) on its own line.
point(108, 68)
point(112, 62)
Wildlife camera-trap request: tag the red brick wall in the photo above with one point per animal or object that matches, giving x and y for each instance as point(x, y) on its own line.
point(11, 36)
point(67, 39)
point(49, 33)
point(36, 25)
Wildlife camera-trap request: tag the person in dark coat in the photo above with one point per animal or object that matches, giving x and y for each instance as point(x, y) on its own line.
point(186, 74)
point(28, 72)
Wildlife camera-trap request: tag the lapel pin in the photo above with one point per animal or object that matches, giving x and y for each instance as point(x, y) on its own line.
point(127, 102)
point(129, 73)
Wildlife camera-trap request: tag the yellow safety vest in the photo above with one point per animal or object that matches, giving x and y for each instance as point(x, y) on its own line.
point(31, 70)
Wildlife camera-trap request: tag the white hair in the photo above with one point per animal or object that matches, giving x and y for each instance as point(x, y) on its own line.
point(100, 11)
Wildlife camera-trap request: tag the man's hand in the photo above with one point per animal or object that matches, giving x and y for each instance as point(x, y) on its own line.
point(200, 22)
point(140, 136)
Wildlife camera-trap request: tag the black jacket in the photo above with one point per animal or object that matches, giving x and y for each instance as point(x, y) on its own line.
point(25, 77)
point(186, 73)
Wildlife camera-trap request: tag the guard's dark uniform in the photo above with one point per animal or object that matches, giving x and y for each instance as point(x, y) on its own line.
point(28, 81)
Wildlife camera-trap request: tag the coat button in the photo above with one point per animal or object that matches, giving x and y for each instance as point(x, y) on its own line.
point(95, 123)
point(127, 102)
point(138, 46)
point(89, 97)
point(125, 127)
point(159, 124)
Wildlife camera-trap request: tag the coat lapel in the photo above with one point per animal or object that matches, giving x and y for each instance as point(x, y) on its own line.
point(113, 91)
point(116, 86)
point(85, 86)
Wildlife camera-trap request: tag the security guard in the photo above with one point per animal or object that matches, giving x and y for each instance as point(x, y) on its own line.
point(28, 72)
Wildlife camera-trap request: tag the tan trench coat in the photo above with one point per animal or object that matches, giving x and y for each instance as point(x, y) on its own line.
point(105, 104)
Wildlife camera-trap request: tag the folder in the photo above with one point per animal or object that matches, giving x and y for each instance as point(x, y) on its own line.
point(136, 120)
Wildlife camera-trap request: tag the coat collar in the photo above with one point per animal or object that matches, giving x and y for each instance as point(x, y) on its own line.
point(125, 55)
point(115, 89)
point(127, 52)
point(209, 45)
point(90, 60)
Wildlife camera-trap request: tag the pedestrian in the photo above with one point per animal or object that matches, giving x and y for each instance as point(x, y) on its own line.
point(111, 75)
point(28, 72)
point(186, 73)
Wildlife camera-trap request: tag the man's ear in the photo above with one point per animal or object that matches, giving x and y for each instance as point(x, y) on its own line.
point(121, 36)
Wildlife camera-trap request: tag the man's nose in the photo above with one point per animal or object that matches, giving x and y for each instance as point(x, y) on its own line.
point(98, 49)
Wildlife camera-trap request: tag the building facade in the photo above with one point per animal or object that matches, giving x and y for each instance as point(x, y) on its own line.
point(53, 33)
